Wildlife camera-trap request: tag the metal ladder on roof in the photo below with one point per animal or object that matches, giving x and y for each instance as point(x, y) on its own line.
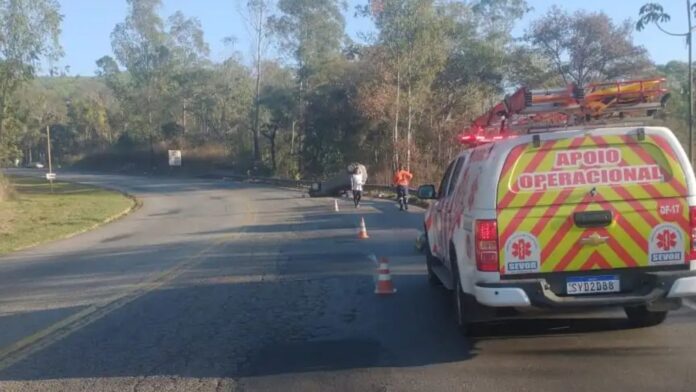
point(594, 105)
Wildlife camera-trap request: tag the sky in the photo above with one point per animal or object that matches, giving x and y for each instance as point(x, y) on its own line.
point(87, 26)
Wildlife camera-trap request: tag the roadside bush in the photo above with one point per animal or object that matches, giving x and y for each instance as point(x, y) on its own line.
point(196, 159)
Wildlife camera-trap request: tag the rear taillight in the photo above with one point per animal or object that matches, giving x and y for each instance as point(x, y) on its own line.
point(692, 224)
point(486, 242)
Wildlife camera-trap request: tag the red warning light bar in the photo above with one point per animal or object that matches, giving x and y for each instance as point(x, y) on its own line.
point(471, 140)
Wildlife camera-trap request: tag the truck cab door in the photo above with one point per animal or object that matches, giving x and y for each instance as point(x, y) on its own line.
point(449, 213)
point(439, 214)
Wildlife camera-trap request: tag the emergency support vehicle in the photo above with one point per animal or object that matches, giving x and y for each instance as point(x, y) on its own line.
point(565, 199)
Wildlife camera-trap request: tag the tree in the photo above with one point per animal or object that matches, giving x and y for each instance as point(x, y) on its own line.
point(587, 46)
point(189, 55)
point(675, 114)
point(186, 41)
point(390, 16)
point(256, 15)
point(410, 32)
point(221, 100)
point(89, 119)
point(278, 115)
point(418, 32)
point(280, 103)
point(437, 55)
point(311, 31)
point(153, 54)
point(496, 18)
point(29, 31)
point(139, 44)
point(655, 14)
point(334, 132)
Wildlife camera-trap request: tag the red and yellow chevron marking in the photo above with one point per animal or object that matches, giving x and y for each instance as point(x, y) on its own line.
point(548, 214)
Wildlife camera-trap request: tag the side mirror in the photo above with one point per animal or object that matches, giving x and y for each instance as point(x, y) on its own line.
point(427, 192)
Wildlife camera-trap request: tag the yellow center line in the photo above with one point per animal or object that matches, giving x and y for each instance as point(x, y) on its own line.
point(29, 345)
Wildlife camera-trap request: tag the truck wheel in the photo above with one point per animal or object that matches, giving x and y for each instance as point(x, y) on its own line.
point(433, 280)
point(461, 310)
point(640, 316)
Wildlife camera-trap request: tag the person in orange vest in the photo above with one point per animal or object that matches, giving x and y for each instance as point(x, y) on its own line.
point(402, 179)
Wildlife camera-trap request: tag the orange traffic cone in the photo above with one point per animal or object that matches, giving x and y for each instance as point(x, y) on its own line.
point(384, 283)
point(362, 234)
point(336, 205)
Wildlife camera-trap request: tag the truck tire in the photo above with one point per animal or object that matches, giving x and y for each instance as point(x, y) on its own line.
point(640, 316)
point(433, 280)
point(461, 305)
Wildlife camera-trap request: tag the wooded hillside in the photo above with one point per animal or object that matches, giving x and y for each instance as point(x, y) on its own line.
point(400, 96)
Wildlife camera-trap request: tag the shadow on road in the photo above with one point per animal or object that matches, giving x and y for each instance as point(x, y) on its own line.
point(321, 218)
point(244, 313)
point(256, 326)
point(537, 327)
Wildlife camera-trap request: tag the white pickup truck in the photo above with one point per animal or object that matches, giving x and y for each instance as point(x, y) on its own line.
point(577, 218)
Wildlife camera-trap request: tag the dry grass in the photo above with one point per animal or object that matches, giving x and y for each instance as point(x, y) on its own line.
point(6, 190)
point(213, 154)
point(199, 159)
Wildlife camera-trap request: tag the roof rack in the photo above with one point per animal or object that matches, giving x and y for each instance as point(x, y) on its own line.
point(545, 110)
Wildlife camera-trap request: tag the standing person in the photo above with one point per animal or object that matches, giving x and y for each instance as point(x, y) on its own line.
point(402, 179)
point(356, 185)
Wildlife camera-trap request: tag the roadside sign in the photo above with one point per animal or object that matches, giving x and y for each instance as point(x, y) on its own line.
point(50, 176)
point(174, 157)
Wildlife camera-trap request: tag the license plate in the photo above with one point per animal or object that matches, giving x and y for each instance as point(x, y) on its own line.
point(593, 284)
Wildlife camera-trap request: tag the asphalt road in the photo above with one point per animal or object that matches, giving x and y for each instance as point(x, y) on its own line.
point(221, 286)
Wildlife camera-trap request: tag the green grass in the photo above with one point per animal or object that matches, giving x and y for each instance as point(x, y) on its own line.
point(36, 215)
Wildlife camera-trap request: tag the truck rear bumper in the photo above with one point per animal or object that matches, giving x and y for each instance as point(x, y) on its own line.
point(654, 287)
point(502, 296)
point(683, 287)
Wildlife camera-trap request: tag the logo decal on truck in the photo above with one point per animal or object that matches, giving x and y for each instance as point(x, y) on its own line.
point(666, 245)
point(522, 254)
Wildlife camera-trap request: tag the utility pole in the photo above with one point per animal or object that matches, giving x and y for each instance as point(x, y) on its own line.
point(48, 147)
point(184, 115)
point(259, 37)
point(48, 150)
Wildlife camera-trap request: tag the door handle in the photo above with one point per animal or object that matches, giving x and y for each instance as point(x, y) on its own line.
point(593, 218)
